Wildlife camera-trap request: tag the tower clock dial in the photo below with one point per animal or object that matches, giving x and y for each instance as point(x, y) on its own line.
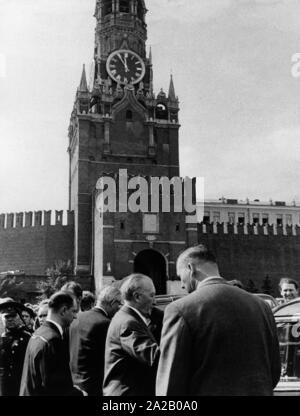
point(125, 67)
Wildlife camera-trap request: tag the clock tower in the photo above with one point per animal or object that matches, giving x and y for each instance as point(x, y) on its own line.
point(119, 124)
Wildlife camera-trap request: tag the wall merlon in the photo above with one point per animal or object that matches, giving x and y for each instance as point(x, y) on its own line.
point(10, 220)
point(19, 219)
point(36, 219)
point(2, 220)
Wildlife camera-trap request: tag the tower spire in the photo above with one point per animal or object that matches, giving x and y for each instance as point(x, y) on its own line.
point(83, 83)
point(171, 95)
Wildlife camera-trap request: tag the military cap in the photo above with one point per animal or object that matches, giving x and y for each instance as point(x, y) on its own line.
point(8, 305)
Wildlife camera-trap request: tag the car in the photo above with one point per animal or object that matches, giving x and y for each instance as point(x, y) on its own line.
point(272, 302)
point(161, 301)
point(287, 317)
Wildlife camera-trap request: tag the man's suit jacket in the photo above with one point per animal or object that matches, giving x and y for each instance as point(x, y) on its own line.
point(87, 350)
point(131, 356)
point(219, 340)
point(46, 370)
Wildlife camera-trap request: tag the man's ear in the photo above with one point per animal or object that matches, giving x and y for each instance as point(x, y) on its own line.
point(192, 268)
point(63, 310)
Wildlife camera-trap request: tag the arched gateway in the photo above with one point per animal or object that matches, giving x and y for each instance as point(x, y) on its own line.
point(153, 264)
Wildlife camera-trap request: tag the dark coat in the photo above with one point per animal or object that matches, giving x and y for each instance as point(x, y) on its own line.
point(12, 353)
point(219, 340)
point(46, 369)
point(87, 350)
point(155, 327)
point(131, 356)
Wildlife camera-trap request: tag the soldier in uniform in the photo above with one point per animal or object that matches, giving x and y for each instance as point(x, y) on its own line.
point(13, 344)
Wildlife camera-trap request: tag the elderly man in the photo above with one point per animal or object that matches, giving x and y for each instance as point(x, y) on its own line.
point(46, 369)
point(288, 289)
point(87, 341)
point(218, 340)
point(13, 343)
point(131, 350)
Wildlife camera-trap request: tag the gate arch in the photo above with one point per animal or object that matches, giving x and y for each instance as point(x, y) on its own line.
point(153, 264)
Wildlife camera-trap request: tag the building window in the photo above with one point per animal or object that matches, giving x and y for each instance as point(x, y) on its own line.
point(128, 115)
point(279, 219)
point(150, 224)
point(206, 217)
point(216, 217)
point(255, 218)
point(161, 112)
point(122, 225)
point(177, 228)
point(265, 219)
point(289, 219)
point(107, 7)
point(241, 218)
point(231, 217)
point(124, 6)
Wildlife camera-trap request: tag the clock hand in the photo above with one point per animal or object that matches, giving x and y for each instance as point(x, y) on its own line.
point(126, 67)
point(122, 60)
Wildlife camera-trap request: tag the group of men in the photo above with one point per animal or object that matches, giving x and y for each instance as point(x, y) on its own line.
point(217, 340)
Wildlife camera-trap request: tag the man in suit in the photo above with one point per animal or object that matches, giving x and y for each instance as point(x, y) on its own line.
point(46, 370)
point(218, 340)
point(87, 341)
point(132, 352)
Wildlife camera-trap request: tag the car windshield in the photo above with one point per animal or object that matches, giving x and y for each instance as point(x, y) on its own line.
point(289, 339)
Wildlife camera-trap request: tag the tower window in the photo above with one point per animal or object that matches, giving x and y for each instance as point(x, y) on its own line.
point(140, 11)
point(124, 6)
point(177, 227)
point(107, 7)
point(128, 115)
point(122, 225)
point(161, 112)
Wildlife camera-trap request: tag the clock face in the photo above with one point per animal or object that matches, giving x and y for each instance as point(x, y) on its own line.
point(125, 67)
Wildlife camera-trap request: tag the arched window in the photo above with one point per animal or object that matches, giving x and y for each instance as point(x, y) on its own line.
point(107, 7)
point(124, 6)
point(161, 112)
point(128, 115)
point(140, 10)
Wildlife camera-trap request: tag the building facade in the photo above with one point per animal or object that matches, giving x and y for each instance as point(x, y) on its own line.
point(121, 130)
point(234, 211)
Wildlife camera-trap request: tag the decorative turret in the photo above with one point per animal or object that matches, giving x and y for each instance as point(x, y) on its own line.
point(83, 82)
point(171, 95)
point(83, 96)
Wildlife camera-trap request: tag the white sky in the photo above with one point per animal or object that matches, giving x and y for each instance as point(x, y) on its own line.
point(231, 62)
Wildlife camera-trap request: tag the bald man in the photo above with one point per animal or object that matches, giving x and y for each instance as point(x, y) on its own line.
point(219, 340)
point(132, 353)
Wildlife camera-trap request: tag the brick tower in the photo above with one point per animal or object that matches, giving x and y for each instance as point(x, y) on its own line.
point(119, 123)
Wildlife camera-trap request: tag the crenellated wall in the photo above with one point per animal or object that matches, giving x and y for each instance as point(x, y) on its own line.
point(33, 241)
point(254, 252)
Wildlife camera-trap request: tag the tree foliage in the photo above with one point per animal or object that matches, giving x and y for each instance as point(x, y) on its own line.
point(57, 276)
point(9, 287)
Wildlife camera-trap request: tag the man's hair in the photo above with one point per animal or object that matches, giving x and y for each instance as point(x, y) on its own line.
point(108, 294)
point(44, 302)
point(60, 299)
point(87, 301)
point(131, 285)
point(199, 253)
point(288, 281)
point(74, 288)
